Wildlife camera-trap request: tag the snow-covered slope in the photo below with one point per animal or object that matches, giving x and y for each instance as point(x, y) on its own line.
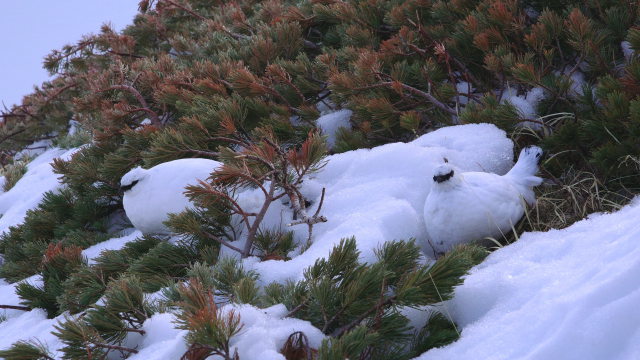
point(566, 294)
point(28, 191)
point(378, 194)
point(563, 294)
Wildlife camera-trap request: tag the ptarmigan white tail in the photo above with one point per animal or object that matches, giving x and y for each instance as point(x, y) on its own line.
point(523, 173)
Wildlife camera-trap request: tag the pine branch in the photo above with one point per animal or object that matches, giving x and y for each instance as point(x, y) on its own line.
point(8, 136)
point(139, 331)
point(306, 219)
point(394, 84)
point(341, 330)
point(223, 242)
point(16, 307)
point(211, 154)
point(258, 219)
point(155, 119)
point(187, 10)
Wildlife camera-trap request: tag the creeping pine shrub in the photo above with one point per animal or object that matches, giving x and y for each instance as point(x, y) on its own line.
point(357, 305)
point(72, 140)
point(239, 82)
point(14, 172)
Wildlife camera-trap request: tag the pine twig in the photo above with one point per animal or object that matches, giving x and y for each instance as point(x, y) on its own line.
point(297, 308)
point(437, 103)
point(258, 219)
point(139, 331)
point(223, 242)
point(155, 119)
point(343, 329)
point(16, 307)
point(203, 153)
point(306, 219)
point(187, 10)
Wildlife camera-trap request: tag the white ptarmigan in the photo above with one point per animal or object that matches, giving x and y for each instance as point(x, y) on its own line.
point(150, 195)
point(466, 206)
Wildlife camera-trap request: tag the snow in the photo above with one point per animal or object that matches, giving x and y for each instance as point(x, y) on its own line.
point(162, 340)
point(562, 294)
point(265, 331)
point(526, 105)
point(115, 243)
point(35, 149)
point(331, 122)
point(29, 325)
point(378, 194)
point(28, 191)
point(463, 87)
point(627, 50)
point(577, 82)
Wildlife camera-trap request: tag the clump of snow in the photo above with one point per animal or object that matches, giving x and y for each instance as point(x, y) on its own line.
point(265, 331)
point(29, 325)
point(377, 195)
point(526, 105)
point(23, 325)
point(161, 340)
point(627, 50)
point(27, 193)
point(331, 122)
point(36, 149)
point(463, 87)
point(576, 81)
point(325, 106)
point(74, 126)
point(562, 294)
point(115, 243)
point(263, 334)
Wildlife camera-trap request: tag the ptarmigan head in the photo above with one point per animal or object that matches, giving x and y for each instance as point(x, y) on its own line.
point(446, 176)
point(443, 173)
point(132, 178)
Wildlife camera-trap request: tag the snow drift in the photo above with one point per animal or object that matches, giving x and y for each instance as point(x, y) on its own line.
point(562, 294)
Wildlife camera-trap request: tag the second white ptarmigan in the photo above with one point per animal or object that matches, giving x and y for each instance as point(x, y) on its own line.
point(467, 206)
point(151, 194)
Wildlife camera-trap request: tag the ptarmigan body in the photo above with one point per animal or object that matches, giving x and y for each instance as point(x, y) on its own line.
point(150, 195)
point(466, 206)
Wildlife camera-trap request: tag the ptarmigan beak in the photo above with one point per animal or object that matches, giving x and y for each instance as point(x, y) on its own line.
point(444, 177)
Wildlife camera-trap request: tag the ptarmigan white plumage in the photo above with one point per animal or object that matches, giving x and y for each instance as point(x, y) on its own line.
point(150, 195)
point(466, 206)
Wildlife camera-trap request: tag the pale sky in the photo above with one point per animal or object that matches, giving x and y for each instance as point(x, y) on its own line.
point(30, 29)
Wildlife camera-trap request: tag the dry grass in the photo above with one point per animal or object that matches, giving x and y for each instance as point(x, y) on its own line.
point(565, 200)
point(562, 202)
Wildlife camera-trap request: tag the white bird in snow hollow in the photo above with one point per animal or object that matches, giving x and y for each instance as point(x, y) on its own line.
point(150, 195)
point(466, 206)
